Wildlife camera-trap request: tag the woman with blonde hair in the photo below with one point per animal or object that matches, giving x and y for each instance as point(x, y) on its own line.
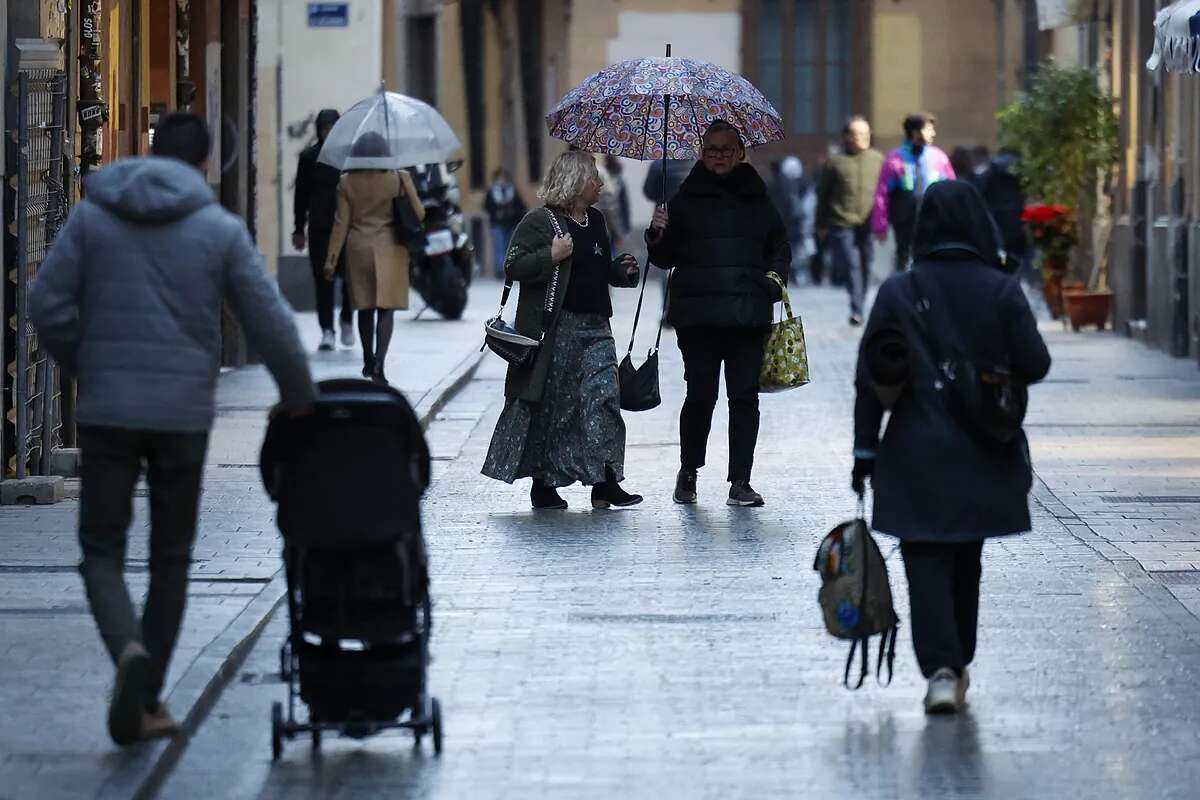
point(562, 419)
point(376, 264)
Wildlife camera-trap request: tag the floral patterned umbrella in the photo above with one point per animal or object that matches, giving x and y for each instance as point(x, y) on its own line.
point(651, 108)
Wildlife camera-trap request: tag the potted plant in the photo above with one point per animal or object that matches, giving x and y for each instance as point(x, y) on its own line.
point(1064, 131)
point(1055, 233)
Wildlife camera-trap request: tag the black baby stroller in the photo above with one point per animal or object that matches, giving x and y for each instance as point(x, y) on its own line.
point(348, 482)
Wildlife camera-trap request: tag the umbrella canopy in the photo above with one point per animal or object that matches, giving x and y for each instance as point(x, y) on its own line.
point(620, 110)
point(389, 131)
point(1177, 38)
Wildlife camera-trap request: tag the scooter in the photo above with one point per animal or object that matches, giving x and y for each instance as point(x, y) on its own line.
point(443, 272)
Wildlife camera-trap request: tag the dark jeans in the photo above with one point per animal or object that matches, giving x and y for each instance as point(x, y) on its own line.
point(112, 460)
point(903, 248)
point(318, 250)
point(852, 251)
point(704, 350)
point(943, 591)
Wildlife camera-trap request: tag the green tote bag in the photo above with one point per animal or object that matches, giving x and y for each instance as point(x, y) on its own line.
point(785, 357)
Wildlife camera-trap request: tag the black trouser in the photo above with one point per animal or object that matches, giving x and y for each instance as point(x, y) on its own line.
point(904, 239)
point(111, 463)
point(704, 350)
point(318, 250)
point(943, 592)
point(852, 250)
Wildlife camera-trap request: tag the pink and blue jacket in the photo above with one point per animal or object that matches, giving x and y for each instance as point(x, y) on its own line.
point(899, 174)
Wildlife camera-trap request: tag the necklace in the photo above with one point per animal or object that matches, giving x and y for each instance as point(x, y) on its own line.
point(586, 219)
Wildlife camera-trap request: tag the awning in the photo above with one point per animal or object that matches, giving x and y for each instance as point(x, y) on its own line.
point(1177, 38)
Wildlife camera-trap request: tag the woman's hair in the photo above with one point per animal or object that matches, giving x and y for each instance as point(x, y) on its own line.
point(370, 145)
point(566, 178)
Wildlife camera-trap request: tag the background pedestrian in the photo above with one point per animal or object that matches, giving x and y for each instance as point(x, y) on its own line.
point(562, 416)
point(962, 163)
point(907, 172)
point(315, 203)
point(376, 264)
point(504, 208)
point(150, 244)
point(722, 235)
point(614, 200)
point(939, 487)
point(1005, 199)
point(844, 200)
point(790, 191)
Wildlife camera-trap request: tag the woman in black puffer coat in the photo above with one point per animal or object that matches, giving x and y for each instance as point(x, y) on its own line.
point(722, 235)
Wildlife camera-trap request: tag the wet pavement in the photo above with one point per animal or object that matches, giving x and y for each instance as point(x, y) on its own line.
point(674, 652)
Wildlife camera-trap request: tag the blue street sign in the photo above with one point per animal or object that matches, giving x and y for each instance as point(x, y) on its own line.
point(328, 15)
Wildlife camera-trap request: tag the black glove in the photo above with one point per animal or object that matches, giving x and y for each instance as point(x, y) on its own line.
point(863, 468)
point(774, 290)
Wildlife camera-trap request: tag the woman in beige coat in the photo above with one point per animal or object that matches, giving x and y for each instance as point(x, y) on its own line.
point(376, 265)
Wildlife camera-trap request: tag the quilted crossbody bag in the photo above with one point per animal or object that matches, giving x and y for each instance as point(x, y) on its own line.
point(503, 339)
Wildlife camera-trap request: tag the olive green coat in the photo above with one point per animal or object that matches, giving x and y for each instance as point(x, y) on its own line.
point(529, 265)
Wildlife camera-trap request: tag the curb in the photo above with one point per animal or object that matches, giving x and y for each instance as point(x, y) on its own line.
point(210, 672)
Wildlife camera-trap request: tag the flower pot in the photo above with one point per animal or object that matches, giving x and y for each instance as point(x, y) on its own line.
point(1086, 307)
point(1052, 291)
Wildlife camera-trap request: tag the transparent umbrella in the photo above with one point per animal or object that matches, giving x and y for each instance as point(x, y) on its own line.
point(406, 133)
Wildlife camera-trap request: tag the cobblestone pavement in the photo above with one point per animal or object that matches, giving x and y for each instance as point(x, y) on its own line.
point(56, 674)
point(674, 652)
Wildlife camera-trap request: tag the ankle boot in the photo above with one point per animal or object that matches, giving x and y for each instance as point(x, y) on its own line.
point(368, 366)
point(545, 497)
point(610, 494)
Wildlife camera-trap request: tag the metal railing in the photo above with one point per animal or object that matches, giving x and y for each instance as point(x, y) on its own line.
point(42, 205)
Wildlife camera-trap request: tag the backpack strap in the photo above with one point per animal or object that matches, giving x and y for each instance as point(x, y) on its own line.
point(887, 643)
point(865, 668)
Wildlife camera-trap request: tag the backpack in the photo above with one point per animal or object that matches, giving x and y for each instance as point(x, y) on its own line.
point(855, 596)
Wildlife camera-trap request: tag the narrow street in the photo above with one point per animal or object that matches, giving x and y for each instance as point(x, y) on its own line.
point(675, 652)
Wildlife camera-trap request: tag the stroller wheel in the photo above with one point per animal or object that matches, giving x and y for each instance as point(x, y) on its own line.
point(276, 731)
point(435, 716)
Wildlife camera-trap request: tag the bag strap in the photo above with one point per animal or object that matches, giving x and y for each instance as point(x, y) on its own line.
point(864, 670)
point(787, 300)
point(638, 314)
point(887, 642)
point(551, 293)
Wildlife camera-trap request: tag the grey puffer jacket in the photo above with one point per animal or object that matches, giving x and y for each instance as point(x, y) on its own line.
point(129, 297)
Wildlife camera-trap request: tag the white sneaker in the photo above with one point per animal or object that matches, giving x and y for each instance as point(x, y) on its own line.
point(347, 334)
point(964, 683)
point(326, 341)
point(942, 696)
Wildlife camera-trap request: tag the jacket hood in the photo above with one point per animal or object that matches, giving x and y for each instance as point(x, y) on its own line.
point(954, 218)
point(150, 189)
point(743, 180)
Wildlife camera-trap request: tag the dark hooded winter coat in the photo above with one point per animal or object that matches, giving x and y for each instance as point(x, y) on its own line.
point(316, 186)
point(723, 237)
point(933, 480)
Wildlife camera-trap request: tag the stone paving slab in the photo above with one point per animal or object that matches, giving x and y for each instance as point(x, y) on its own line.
point(52, 738)
point(675, 652)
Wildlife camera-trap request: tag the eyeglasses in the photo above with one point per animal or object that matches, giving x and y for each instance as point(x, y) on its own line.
point(719, 152)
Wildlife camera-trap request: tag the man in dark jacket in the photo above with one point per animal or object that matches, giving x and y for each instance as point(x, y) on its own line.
point(505, 208)
point(722, 235)
point(128, 301)
point(1001, 190)
point(940, 486)
point(845, 197)
point(315, 206)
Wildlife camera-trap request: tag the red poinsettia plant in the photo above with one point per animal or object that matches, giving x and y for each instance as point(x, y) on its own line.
point(1054, 230)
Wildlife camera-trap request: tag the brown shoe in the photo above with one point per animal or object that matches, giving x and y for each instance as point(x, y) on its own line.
point(158, 723)
point(129, 693)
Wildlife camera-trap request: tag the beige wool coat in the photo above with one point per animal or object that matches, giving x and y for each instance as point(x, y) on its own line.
point(376, 266)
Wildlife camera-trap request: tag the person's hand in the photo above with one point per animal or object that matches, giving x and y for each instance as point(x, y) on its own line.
point(658, 225)
point(774, 290)
point(298, 240)
point(330, 271)
point(632, 269)
point(561, 248)
point(863, 468)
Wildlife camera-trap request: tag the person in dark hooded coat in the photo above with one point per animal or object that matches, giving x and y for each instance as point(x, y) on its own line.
point(314, 209)
point(938, 488)
point(722, 235)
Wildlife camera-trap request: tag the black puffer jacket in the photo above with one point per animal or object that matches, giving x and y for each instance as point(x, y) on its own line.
point(316, 186)
point(724, 236)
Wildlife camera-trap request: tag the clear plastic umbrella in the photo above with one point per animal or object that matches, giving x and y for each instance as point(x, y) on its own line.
point(389, 131)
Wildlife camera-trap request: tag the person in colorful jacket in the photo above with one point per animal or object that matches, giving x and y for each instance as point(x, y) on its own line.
point(909, 170)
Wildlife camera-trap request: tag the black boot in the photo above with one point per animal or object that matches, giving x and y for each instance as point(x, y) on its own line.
point(610, 493)
point(545, 498)
point(378, 377)
point(368, 366)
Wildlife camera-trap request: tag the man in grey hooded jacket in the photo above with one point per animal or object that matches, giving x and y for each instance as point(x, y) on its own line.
point(128, 300)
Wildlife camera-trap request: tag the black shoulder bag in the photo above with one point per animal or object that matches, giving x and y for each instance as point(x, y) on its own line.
point(406, 227)
point(639, 385)
point(503, 339)
point(986, 400)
